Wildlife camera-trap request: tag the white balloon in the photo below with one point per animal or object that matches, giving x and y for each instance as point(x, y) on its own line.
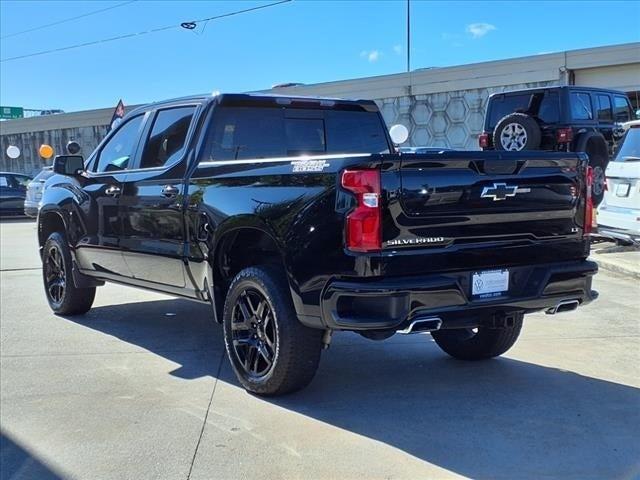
point(13, 152)
point(399, 134)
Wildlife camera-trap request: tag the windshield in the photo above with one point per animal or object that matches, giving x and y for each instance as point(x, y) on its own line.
point(630, 147)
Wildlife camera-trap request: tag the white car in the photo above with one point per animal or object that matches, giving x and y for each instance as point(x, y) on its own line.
point(34, 192)
point(619, 212)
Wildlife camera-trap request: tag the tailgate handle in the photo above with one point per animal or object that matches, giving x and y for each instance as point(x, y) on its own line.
point(500, 166)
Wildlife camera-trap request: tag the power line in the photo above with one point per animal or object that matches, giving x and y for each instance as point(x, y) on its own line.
point(68, 19)
point(186, 25)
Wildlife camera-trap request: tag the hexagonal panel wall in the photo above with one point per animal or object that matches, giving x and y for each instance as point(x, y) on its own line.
point(445, 119)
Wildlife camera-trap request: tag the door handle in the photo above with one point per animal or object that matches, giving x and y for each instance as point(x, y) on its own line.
point(112, 191)
point(170, 191)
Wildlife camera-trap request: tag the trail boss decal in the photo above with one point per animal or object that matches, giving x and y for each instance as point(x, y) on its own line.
point(308, 165)
point(399, 242)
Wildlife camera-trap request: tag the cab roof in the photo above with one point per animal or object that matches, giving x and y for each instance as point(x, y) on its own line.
point(264, 100)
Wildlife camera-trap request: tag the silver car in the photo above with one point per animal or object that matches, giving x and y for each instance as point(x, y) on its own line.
point(619, 212)
point(34, 192)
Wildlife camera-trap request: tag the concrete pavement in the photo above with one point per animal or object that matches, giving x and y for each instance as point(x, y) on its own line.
point(140, 388)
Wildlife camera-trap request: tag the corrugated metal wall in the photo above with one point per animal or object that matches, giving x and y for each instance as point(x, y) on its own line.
point(29, 161)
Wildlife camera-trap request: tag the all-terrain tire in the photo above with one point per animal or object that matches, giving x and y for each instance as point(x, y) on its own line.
point(484, 343)
point(517, 132)
point(63, 296)
point(295, 349)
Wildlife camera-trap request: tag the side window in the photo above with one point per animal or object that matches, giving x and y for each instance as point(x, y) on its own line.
point(305, 135)
point(549, 111)
point(246, 133)
point(623, 114)
point(167, 138)
point(117, 152)
point(604, 108)
point(3, 181)
point(21, 180)
point(581, 106)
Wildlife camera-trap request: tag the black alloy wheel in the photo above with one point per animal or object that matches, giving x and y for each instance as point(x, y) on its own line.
point(270, 351)
point(254, 333)
point(64, 297)
point(55, 275)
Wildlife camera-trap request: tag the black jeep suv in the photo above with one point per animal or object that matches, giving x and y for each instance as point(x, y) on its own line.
point(566, 119)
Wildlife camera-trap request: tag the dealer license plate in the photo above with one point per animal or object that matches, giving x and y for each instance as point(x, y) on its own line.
point(490, 283)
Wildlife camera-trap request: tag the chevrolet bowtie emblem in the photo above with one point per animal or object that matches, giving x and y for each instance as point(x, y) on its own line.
point(500, 191)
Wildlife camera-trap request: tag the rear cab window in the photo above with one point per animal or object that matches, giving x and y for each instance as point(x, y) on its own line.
point(238, 133)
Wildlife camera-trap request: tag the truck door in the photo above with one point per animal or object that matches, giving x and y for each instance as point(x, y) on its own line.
point(99, 246)
point(151, 205)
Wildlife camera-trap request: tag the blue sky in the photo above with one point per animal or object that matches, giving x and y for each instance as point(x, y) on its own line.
point(301, 41)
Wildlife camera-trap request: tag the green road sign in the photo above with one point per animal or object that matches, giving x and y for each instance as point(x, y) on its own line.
point(11, 112)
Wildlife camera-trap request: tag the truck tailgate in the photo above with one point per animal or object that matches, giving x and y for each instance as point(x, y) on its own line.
point(461, 210)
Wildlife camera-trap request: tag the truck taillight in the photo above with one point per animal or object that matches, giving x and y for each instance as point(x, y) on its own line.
point(363, 228)
point(564, 135)
point(588, 203)
point(483, 140)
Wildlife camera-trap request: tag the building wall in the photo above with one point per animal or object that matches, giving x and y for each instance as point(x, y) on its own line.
point(446, 119)
point(445, 107)
point(29, 143)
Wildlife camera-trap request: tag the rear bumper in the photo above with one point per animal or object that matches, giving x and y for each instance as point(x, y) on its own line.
point(630, 236)
point(392, 303)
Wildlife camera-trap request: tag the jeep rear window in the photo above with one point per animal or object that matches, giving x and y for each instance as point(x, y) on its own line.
point(264, 132)
point(504, 105)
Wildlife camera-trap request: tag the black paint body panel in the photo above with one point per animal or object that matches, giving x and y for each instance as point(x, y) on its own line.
point(171, 244)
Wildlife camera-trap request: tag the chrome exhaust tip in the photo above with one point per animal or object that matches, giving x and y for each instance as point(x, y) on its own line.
point(422, 325)
point(563, 306)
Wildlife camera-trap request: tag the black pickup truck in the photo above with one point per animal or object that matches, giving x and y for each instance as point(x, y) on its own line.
point(297, 217)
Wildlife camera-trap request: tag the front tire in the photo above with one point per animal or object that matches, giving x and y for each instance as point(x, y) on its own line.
point(57, 274)
point(478, 343)
point(270, 351)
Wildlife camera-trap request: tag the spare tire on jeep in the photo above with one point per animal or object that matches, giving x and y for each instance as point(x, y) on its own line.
point(516, 132)
point(595, 146)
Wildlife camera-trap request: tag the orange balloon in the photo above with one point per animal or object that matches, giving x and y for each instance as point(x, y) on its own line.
point(46, 151)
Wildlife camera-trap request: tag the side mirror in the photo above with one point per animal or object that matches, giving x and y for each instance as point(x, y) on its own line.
point(68, 164)
point(399, 134)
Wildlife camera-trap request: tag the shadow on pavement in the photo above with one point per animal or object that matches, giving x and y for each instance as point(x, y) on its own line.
point(501, 418)
point(16, 463)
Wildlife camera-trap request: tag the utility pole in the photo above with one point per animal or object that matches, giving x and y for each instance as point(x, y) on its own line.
point(408, 35)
